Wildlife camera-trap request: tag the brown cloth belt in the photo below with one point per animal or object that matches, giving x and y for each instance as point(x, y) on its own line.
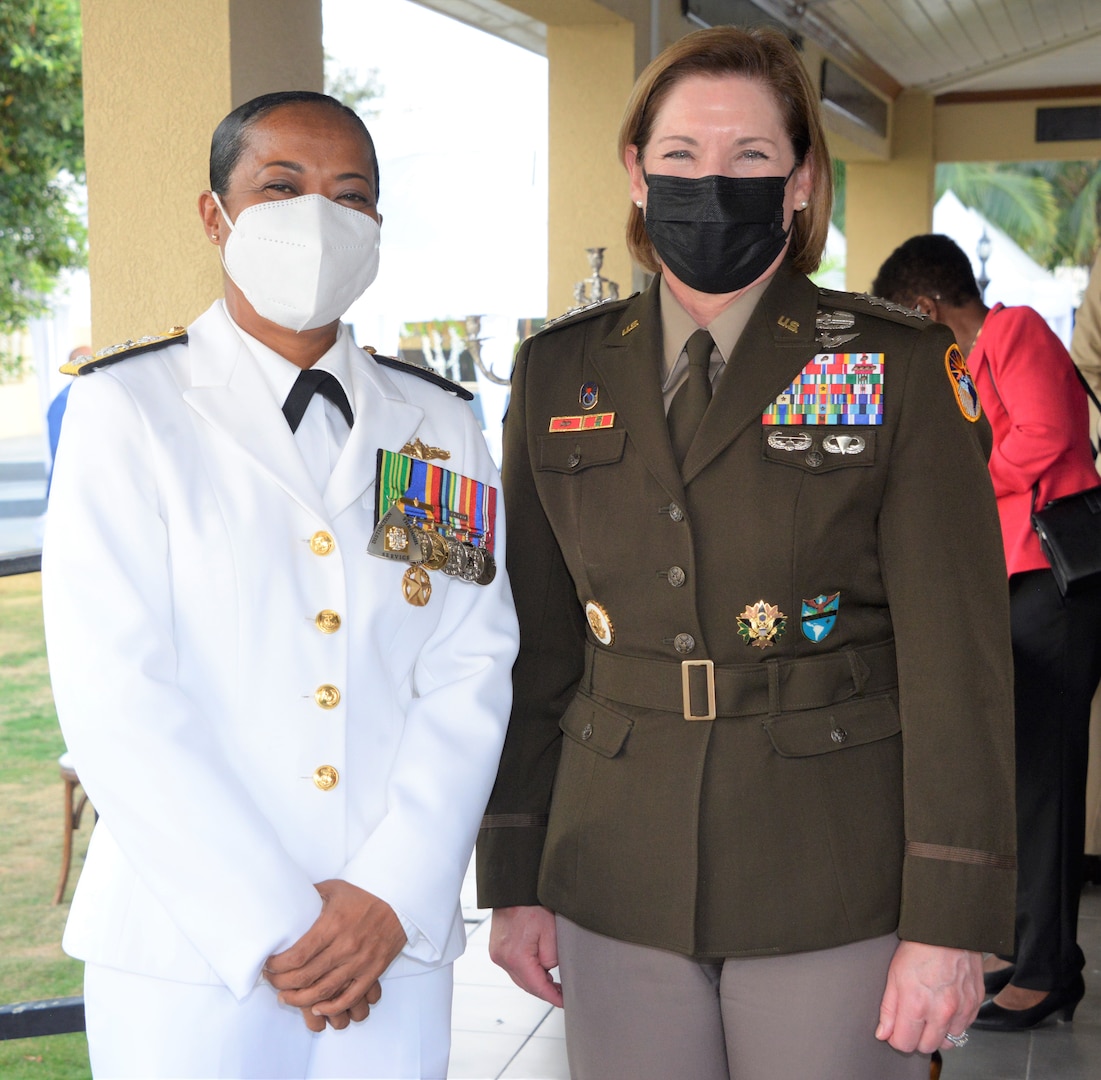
point(700, 690)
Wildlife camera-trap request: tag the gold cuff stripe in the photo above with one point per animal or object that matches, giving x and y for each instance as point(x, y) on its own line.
point(515, 821)
point(961, 855)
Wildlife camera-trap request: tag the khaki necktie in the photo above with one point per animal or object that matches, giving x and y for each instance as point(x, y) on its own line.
point(691, 400)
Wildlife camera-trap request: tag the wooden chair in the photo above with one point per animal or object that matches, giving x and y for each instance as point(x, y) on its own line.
point(74, 808)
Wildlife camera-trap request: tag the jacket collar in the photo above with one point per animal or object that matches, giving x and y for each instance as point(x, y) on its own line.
point(777, 343)
point(229, 391)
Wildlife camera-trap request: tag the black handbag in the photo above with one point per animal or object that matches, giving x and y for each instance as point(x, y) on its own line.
point(1069, 528)
point(1070, 536)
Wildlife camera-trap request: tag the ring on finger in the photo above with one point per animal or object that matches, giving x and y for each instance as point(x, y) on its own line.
point(959, 1040)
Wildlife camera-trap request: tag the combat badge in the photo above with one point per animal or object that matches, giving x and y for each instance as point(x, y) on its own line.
point(782, 440)
point(820, 615)
point(761, 624)
point(827, 323)
point(843, 444)
point(599, 623)
point(963, 385)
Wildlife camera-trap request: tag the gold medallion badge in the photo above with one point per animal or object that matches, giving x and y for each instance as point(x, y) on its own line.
point(599, 623)
point(760, 624)
point(416, 586)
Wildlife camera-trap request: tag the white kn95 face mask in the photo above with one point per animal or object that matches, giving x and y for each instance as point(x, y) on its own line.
point(301, 262)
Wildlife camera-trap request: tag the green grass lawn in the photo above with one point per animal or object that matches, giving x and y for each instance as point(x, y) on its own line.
point(32, 965)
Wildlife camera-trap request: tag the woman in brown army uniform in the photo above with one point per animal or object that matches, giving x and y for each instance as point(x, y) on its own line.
point(756, 795)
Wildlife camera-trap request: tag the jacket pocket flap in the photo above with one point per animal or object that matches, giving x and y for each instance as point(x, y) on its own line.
point(595, 726)
point(574, 451)
point(823, 731)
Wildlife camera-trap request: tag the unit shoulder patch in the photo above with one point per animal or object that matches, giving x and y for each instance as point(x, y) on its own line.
point(421, 373)
point(600, 307)
point(963, 384)
point(112, 354)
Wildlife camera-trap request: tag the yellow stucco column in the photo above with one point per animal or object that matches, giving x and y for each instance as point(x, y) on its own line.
point(591, 71)
point(157, 79)
point(888, 202)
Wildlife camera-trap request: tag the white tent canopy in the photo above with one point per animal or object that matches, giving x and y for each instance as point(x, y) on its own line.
point(1014, 277)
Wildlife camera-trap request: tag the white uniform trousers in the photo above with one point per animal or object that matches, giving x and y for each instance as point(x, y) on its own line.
point(141, 1027)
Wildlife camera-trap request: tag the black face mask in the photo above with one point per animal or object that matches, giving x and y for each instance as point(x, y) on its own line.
point(718, 234)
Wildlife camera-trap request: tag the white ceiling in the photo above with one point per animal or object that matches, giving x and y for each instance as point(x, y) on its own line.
point(940, 46)
point(950, 46)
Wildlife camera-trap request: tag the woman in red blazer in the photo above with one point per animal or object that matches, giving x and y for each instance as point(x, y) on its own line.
point(1026, 383)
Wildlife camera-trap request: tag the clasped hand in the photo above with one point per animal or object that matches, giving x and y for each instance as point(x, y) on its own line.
point(332, 971)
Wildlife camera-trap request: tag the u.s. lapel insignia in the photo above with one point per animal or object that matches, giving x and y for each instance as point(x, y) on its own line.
point(418, 450)
point(820, 615)
point(599, 623)
point(627, 329)
point(788, 323)
point(967, 397)
point(761, 624)
point(589, 395)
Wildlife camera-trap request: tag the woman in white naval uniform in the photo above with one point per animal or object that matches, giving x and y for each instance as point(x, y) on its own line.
point(289, 740)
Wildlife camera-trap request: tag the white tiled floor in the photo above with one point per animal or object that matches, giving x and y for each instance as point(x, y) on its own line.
point(497, 1030)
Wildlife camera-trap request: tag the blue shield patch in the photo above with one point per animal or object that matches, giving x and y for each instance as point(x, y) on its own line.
point(820, 616)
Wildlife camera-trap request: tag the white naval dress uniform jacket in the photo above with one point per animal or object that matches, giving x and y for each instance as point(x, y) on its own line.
point(181, 591)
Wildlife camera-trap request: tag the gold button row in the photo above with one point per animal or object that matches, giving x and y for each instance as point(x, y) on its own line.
point(321, 543)
point(327, 621)
point(326, 777)
point(327, 696)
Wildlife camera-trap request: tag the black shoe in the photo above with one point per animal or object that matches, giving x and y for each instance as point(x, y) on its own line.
point(993, 1017)
point(1091, 870)
point(993, 981)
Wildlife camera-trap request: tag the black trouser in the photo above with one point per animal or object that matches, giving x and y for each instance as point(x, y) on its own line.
point(1057, 665)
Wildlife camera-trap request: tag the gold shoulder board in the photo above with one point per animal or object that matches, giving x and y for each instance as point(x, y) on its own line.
point(131, 347)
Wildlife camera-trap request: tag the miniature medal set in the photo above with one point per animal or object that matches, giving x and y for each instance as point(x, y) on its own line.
point(432, 519)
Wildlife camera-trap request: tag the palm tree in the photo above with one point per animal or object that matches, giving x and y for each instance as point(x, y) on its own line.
point(1023, 206)
point(1052, 209)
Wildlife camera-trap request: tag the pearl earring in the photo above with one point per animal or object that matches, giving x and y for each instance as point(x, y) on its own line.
point(638, 203)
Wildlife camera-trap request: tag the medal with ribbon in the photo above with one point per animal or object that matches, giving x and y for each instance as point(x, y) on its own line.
point(434, 519)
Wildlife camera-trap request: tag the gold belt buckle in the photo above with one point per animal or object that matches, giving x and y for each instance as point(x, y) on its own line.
point(686, 688)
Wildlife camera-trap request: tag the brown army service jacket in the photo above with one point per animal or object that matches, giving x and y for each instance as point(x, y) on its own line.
point(858, 775)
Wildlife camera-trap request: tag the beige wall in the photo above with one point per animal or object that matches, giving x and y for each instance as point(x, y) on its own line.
point(889, 201)
point(592, 71)
point(157, 79)
point(1005, 131)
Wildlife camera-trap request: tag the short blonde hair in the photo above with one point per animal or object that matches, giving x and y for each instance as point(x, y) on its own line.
point(768, 57)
